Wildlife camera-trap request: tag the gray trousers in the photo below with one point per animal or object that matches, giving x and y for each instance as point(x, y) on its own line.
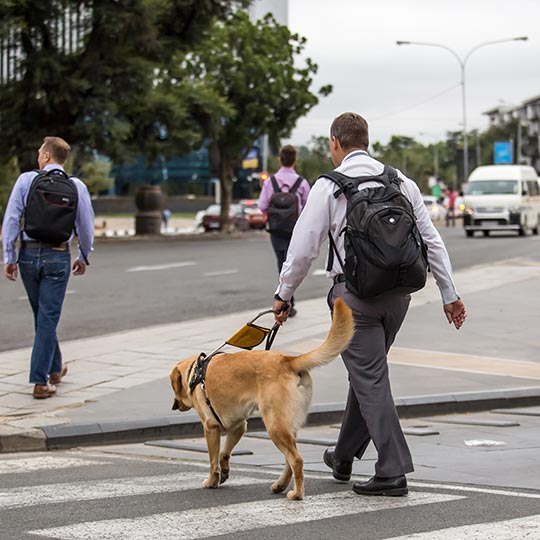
point(370, 413)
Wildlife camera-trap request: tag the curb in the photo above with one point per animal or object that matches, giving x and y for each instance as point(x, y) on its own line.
point(65, 436)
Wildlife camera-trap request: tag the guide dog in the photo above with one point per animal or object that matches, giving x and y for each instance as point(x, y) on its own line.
point(279, 385)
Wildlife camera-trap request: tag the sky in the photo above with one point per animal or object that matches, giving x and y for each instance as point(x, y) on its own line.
point(415, 90)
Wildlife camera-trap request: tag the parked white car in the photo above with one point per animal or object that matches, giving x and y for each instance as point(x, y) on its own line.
point(436, 211)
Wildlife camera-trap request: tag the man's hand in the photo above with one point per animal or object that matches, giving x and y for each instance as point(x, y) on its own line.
point(10, 271)
point(79, 268)
point(456, 313)
point(281, 311)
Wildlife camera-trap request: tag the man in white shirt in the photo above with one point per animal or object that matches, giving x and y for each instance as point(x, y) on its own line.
point(370, 413)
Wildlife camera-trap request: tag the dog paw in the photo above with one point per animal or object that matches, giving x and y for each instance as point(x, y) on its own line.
point(295, 495)
point(224, 475)
point(278, 488)
point(212, 482)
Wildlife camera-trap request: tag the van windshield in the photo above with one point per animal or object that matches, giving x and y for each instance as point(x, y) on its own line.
point(493, 187)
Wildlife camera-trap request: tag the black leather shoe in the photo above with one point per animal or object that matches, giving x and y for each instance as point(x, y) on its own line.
point(395, 486)
point(341, 469)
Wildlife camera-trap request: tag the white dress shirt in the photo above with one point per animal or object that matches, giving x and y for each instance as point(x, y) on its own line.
point(323, 213)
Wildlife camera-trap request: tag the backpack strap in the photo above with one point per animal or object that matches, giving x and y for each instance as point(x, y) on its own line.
point(348, 183)
point(333, 249)
point(391, 175)
point(296, 185)
point(275, 185)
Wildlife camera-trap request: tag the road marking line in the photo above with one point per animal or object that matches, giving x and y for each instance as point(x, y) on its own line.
point(16, 466)
point(105, 489)
point(160, 266)
point(219, 520)
point(221, 273)
point(319, 272)
point(472, 489)
point(525, 528)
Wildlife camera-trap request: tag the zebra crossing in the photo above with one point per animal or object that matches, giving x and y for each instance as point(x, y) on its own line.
point(138, 498)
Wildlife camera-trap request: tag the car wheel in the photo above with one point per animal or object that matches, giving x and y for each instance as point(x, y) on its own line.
point(536, 229)
point(470, 234)
point(486, 233)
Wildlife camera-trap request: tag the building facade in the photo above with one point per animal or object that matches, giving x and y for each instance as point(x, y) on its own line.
point(527, 115)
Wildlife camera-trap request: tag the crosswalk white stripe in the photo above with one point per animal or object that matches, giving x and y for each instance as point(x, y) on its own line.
point(105, 489)
point(490, 491)
point(16, 466)
point(526, 528)
point(218, 520)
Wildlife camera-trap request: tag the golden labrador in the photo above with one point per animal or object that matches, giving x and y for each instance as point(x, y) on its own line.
point(279, 385)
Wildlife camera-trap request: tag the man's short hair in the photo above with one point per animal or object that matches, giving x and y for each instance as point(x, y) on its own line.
point(287, 155)
point(351, 130)
point(58, 148)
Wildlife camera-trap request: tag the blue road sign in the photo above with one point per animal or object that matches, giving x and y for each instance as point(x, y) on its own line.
point(503, 152)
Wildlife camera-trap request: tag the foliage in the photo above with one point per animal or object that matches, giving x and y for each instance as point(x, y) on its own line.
point(96, 174)
point(249, 73)
point(314, 159)
point(9, 171)
point(99, 92)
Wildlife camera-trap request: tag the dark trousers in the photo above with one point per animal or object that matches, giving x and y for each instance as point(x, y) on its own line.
point(370, 414)
point(45, 275)
point(281, 246)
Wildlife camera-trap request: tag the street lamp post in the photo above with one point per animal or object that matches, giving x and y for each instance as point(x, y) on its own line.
point(462, 63)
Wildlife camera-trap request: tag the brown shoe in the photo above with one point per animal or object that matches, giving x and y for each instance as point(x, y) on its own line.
point(56, 378)
point(43, 391)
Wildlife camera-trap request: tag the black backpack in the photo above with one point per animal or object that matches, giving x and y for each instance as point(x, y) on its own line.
point(283, 209)
point(384, 251)
point(51, 207)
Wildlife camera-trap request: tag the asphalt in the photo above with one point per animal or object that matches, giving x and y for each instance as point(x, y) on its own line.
point(117, 388)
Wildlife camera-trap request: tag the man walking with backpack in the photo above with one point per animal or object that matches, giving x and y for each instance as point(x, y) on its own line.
point(282, 198)
point(381, 239)
point(52, 206)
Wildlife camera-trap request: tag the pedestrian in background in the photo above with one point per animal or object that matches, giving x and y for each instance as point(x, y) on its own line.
point(281, 219)
point(53, 206)
point(450, 204)
point(370, 413)
point(165, 216)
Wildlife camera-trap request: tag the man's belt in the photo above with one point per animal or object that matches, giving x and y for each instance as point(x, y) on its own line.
point(340, 278)
point(62, 246)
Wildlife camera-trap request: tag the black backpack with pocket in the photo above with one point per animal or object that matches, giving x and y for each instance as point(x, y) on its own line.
point(51, 207)
point(283, 209)
point(384, 251)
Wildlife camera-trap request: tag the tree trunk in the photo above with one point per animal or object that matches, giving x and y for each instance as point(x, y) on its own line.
point(225, 177)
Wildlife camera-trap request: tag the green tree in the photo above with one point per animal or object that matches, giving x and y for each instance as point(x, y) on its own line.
point(251, 70)
point(314, 158)
point(95, 85)
point(9, 171)
point(97, 175)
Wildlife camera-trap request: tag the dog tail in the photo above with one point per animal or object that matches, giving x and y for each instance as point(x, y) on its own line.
point(339, 337)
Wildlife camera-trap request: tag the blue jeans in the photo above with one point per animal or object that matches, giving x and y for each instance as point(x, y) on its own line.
point(45, 274)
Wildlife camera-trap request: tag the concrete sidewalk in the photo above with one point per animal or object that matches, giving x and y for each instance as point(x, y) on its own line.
point(114, 227)
point(117, 388)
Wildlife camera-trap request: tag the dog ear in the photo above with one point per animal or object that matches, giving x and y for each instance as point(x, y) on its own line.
point(176, 383)
point(176, 379)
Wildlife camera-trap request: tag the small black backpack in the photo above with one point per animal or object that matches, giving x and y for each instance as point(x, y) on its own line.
point(51, 207)
point(283, 209)
point(384, 251)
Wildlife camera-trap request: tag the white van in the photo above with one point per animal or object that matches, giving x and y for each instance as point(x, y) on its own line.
point(502, 198)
